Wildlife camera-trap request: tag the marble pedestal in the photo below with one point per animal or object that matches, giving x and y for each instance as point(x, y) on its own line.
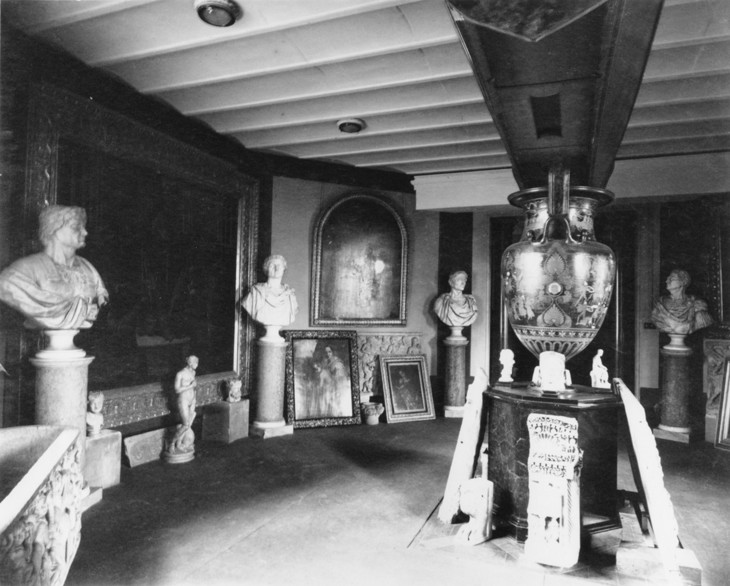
point(596, 411)
point(61, 391)
point(269, 418)
point(676, 390)
point(225, 422)
point(103, 459)
point(455, 383)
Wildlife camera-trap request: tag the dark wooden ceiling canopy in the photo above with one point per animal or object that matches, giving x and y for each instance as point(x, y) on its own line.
point(559, 77)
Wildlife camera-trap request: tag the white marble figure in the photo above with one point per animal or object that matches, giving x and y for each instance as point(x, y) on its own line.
point(599, 373)
point(55, 289)
point(476, 497)
point(553, 509)
point(551, 374)
point(272, 303)
point(679, 312)
point(507, 360)
point(456, 308)
point(183, 442)
point(94, 416)
point(234, 390)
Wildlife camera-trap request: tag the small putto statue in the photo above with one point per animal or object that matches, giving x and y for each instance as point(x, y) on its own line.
point(456, 308)
point(272, 303)
point(94, 416)
point(679, 312)
point(55, 289)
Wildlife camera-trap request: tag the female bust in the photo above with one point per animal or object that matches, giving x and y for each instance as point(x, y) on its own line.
point(456, 308)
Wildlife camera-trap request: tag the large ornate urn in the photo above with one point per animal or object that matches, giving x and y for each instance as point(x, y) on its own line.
point(557, 280)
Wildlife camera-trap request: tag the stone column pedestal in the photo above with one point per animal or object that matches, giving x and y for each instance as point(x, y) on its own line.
point(60, 391)
point(676, 389)
point(269, 419)
point(455, 383)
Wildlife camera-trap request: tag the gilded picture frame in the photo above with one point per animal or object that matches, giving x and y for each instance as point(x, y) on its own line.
point(360, 264)
point(322, 387)
point(406, 388)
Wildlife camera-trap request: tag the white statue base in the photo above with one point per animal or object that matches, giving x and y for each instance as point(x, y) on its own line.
point(60, 345)
point(454, 412)
point(456, 334)
point(551, 376)
point(272, 335)
point(676, 342)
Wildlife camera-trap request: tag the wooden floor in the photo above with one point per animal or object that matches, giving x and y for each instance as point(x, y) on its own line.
point(350, 505)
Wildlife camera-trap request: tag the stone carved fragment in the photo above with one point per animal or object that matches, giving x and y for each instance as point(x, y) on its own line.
point(553, 510)
point(370, 346)
point(39, 546)
point(716, 353)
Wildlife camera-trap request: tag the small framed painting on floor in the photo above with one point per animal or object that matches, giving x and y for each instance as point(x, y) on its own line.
point(406, 388)
point(322, 378)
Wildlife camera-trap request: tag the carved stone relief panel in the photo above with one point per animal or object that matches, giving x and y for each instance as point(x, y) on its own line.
point(130, 405)
point(39, 546)
point(372, 345)
point(716, 351)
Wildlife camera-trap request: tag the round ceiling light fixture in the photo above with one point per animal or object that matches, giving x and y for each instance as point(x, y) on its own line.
point(350, 125)
point(218, 12)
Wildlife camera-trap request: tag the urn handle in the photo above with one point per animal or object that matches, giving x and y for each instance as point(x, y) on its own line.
point(558, 205)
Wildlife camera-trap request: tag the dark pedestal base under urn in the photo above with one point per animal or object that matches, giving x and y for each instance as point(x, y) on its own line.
point(509, 446)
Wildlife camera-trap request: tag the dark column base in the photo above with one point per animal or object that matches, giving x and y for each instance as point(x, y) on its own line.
point(597, 415)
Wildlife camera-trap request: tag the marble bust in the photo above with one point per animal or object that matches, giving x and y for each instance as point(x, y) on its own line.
point(55, 289)
point(272, 303)
point(679, 312)
point(94, 416)
point(234, 390)
point(456, 308)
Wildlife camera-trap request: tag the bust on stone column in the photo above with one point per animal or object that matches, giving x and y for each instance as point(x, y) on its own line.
point(55, 289)
point(679, 313)
point(456, 309)
point(58, 292)
point(272, 304)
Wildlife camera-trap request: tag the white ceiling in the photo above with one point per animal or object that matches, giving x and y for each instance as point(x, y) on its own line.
point(280, 78)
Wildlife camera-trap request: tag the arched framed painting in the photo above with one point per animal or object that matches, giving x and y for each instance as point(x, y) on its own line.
point(360, 265)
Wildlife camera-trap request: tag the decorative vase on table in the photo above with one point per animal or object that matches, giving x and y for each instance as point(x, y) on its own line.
point(557, 280)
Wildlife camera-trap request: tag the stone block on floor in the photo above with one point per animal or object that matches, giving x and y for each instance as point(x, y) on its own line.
point(225, 422)
point(103, 459)
point(146, 447)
